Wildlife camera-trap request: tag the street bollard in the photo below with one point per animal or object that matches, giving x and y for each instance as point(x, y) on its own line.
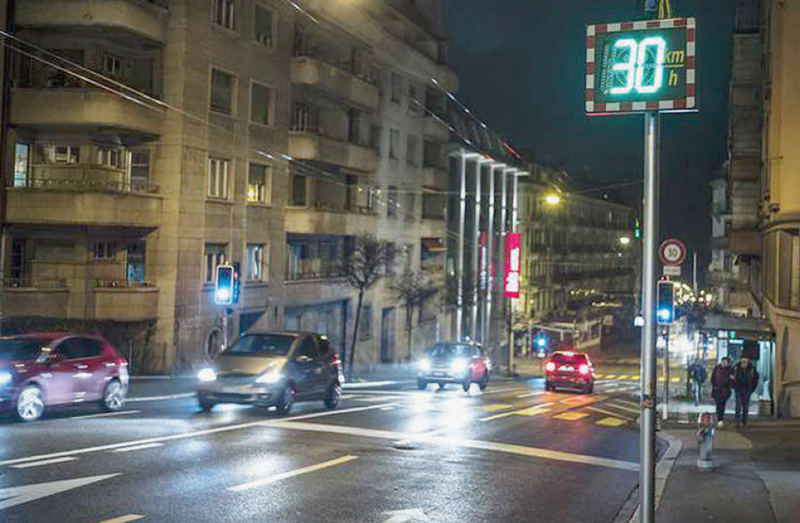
point(705, 438)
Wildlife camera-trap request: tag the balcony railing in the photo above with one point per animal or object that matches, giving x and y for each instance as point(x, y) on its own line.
point(34, 283)
point(331, 273)
point(123, 284)
point(86, 185)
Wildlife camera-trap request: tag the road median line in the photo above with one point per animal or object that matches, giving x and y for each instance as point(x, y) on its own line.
point(292, 473)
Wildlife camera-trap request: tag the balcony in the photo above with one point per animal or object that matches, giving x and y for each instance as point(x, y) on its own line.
point(144, 19)
point(312, 145)
point(334, 81)
point(122, 301)
point(435, 129)
point(83, 202)
point(88, 108)
point(328, 220)
point(745, 242)
point(35, 297)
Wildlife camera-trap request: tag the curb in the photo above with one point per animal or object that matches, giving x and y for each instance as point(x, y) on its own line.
point(663, 470)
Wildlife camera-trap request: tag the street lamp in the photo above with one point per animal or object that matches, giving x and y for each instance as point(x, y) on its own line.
point(624, 240)
point(552, 199)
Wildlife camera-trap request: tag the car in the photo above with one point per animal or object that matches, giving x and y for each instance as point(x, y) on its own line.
point(273, 369)
point(462, 362)
point(572, 370)
point(43, 370)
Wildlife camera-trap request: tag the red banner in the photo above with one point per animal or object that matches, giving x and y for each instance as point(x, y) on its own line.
point(513, 264)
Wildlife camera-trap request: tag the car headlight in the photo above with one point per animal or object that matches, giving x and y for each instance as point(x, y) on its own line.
point(207, 375)
point(270, 377)
point(424, 364)
point(458, 366)
point(5, 377)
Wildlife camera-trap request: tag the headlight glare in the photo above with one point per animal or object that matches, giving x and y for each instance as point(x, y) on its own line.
point(207, 375)
point(458, 365)
point(424, 364)
point(5, 377)
point(270, 377)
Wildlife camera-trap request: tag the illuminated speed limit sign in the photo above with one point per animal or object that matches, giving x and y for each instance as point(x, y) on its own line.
point(672, 252)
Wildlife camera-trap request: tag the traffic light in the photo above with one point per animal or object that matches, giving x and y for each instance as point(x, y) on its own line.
point(665, 307)
point(637, 230)
point(225, 289)
point(237, 287)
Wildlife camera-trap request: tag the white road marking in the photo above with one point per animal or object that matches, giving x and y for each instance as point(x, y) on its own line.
point(609, 413)
point(139, 447)
point(625, 407)
point(529, 394)
point(496, 416)
point(403, 516)
point(182, 435)
point(162, 398)
point(530, 410)
point(13, 496)
point(368, 384)
point(464, 443)
point(124, 519)
point(104, 415)
point(42, 463)
point(387, 408)
point(285, 475)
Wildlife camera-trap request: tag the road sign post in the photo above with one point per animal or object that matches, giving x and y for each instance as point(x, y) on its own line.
point(647, 67)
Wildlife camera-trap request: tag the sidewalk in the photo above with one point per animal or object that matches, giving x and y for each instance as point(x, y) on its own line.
point(756, 477)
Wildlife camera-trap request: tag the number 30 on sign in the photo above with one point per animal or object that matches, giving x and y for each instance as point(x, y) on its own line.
point(641, 66)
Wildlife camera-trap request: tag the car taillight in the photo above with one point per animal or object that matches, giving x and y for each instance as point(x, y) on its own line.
point(583, 369)
point(550, 367)
point(336, 361)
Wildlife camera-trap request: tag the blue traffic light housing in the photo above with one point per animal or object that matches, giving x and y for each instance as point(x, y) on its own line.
point(665, 309)
point(225, 286)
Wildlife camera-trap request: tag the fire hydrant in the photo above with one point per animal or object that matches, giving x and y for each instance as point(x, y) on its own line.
point(705, 439)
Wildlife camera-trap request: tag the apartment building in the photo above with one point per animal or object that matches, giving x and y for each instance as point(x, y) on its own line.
point(156, 139)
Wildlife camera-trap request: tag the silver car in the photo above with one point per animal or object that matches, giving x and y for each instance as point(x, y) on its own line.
point(273, 369)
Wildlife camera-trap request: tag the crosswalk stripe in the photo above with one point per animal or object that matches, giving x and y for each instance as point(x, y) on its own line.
point(610, 376)
point(609, 413)
point(571, 415)
point(611, 422)
point(623, 407)
point(492, 407)
point(623, 377)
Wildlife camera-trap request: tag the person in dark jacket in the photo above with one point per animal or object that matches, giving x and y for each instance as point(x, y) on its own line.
point(745, 381)
point(698, 374)
point(721, 385)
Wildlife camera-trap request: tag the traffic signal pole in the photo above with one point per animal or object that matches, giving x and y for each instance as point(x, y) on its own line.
point(647, 442)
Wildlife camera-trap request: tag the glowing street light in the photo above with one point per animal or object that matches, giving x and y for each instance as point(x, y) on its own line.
point(624, 240)
point(552, 199)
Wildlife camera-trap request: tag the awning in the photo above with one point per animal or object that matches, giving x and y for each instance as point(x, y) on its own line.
point(745, 327)
point(433, 244)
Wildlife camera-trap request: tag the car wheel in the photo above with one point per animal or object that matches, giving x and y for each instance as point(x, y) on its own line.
point(333, 395)
point(484, 381)
point(206, 406)
point(442, 385)
point(113, 396)
point(287, 400)
point(422, 384)
point(30, 403)
point(549, 386)
point(589, 389)
point(466, 385)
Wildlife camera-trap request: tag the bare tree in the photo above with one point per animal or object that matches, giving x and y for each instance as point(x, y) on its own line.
point(365, 266)
point(410, 289)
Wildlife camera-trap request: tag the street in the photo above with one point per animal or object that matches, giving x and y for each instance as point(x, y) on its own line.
point(390, 453)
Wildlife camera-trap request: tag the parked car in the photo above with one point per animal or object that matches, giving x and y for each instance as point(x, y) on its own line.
point(566, 369)
point(42, 370)
point(273, 369)
point(462, 362)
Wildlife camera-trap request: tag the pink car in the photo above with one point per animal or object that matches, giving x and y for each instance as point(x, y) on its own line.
point(55, 368)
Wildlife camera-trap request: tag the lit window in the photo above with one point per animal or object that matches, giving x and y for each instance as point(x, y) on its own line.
point(218, 178)
point(222, 88)
point(215, 255)
point(259, 184)
point(263, 29)
point(261, 98)
point(22, 155)
point(224, 13)
point(256, 262)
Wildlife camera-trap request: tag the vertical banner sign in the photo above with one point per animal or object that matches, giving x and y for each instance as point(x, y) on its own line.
point(483, 263)
point(511, 280)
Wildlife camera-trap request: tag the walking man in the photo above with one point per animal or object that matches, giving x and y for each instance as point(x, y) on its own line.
point(721, 385)
point(745, 380)
point(698, 375)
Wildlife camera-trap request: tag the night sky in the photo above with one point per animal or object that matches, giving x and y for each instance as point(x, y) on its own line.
point(522, 67)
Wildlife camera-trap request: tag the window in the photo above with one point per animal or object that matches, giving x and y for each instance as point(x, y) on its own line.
point(134, 272)
point(256, 265)
point(412, 150)
point(353, 126)
point(365, 325)
point(263, 26)
point(112, 65)
point(394, 143)
point(375, 133)
point(223, 14)
point(411, 206)
point(261, 102)
point(18, 269)
point(392, 204)
point(140, 169)
point(414, 104)
point(79, 348)
point(259, 184)
point(218, 178)
point(305, 118)
point(397, 88)
point(104, 251)
point(110, 158)
point(215, 255)
point(298, 254)
point(298, 196)
point(63, 154)
point(222, 88)
point(22, 157)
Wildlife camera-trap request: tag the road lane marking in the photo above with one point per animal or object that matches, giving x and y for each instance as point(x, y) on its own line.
point(124, 519)
point(571, 415)
point(493, 407)
point(387, 408)
point(506, 448)
point(104, 415)
point(292, 473)
point(611, 422)
point(139, 447)
point(529, 394)
point(182, 435)
point(624, 407)
point(623, 377)
point(497, 416)
point(610, 376)
point(162, 398)
point(609, 413)
point(636, 377)
point(532, 411)
point(368, 384)
point(43, 463)
point(526, 411)
point(13, 496)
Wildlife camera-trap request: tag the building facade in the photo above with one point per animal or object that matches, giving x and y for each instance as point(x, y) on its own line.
point(157, 139)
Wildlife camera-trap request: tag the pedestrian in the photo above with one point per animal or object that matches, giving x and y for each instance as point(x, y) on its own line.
point(698, 374)
point(721, 385)
point(745, 380)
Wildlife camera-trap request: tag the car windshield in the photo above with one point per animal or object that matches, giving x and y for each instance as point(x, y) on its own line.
point(561, 357)
point(262, 345)
point(451, 350)
point(21, 348)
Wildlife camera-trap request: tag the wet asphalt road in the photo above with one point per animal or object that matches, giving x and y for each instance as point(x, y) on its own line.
point(389, 454)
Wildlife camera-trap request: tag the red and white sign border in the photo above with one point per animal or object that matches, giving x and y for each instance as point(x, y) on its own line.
point(663, 248)
point(677, 105)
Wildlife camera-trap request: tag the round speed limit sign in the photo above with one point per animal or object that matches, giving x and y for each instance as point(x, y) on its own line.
point(672, 252)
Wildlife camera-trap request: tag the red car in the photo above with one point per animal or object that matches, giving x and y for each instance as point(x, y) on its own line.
point(570, 370)
point(55, 368)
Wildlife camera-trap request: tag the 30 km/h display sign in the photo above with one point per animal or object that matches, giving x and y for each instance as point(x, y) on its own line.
point(641, 66)
point(672, 252)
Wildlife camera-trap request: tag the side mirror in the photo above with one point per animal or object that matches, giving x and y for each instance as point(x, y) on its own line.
point(303, 359)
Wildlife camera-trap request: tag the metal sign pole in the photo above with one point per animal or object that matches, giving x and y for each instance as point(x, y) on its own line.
point(647, 443)
point(665, 411)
